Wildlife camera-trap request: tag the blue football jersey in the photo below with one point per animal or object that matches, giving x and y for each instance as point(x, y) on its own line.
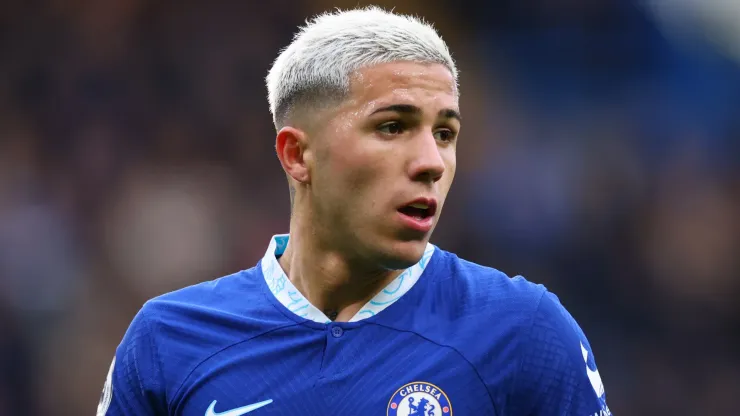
point(447, 337)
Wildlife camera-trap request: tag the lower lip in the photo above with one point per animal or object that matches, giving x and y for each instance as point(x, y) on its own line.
point(423, 225)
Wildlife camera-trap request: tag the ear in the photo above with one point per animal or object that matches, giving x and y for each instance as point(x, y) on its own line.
point(291, 145)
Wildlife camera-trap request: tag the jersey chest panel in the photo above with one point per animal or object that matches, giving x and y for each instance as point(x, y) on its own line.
point(359, 371)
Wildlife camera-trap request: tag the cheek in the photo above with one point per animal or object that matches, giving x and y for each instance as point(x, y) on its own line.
point(451, 163)
point(359, 160)
point(364, 179)
point(348, 173)
point(450, 169)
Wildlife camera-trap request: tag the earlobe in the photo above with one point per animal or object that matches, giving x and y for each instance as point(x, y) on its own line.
point(292, 148)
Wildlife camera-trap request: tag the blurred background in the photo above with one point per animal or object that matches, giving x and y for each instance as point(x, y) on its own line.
point(600, 156)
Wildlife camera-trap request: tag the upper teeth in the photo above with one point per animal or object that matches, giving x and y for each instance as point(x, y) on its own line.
point(419, 205)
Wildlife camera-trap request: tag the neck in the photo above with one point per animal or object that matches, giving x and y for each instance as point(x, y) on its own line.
point(328, 277)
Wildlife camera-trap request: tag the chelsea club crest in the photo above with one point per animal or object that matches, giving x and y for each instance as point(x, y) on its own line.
point(419, 399)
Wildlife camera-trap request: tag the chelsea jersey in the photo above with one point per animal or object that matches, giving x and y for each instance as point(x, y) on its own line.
point(446, 337)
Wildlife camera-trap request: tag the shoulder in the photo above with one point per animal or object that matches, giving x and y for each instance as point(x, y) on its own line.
point(216, 294)
point(479, 310)
point(518, 336)
point(472, 308)
point(231, 306)
point(512, 301)
point(481, 289)
point(176, 331)
point(205, 301)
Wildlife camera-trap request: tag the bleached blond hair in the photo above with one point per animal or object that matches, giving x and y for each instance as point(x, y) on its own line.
point(323, 55)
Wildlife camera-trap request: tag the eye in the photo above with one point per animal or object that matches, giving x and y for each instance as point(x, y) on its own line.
point(391, 127)
point(445, 135)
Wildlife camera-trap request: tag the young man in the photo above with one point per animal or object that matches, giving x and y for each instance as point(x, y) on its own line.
point(355, 312)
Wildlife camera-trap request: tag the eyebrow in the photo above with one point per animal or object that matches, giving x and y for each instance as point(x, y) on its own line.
point(414, 110)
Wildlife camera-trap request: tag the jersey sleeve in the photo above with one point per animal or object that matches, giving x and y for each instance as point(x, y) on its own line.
point(558, 374)
point(134, 383)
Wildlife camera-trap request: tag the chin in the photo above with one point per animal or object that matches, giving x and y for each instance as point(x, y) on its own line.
point(403, 254)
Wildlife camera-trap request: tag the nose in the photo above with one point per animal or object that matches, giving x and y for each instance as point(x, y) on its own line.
point(427, 164)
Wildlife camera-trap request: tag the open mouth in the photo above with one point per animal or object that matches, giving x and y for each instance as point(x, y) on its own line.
point(419, 210)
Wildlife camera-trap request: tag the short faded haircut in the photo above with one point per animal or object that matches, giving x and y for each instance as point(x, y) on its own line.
point(317, 66)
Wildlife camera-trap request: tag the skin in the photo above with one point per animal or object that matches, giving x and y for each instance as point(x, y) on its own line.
point(353, 165)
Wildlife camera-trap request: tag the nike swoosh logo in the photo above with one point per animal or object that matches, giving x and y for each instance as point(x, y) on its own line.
point(238, 411)
point(593, 375)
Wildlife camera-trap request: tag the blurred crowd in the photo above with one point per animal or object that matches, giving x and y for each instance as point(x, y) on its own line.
point(596, 157)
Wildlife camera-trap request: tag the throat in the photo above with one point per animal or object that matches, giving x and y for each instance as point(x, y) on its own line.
point(331, 314)
point(335, 286)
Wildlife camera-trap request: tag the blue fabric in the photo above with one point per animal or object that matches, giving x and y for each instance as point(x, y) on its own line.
point(464, 340)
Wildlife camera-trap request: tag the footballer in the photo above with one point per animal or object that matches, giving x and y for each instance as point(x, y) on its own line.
point(354, 312)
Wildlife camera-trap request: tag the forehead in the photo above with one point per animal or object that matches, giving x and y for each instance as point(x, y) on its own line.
point(413, 83)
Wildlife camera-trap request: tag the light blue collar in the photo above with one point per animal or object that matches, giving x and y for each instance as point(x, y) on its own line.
point(291, 298)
